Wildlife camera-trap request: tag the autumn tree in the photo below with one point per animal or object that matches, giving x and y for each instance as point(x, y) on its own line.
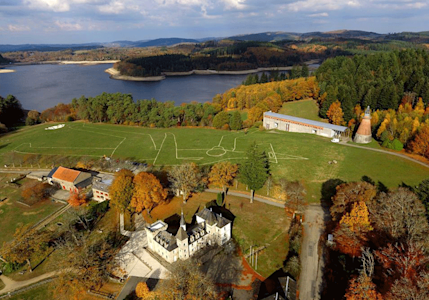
point(85, 265)
point(348, 193)
point(35, 191)
point(335, 113)
point(222, 174)
point(400, 215)
point(32, 117)
point(77, 199)
point(348, 241)
point(185, 178)
point(121, 190)
point(148, 192)
point(26, 243)
point(419, 144)
point(186, 281)
point(358, 218)
point(142, 291)
point(362, 288)
point(255, 169)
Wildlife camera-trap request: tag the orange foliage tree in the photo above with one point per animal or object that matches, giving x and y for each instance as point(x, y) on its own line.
point(34, 192)
point(420, 144)
point(335, 113)
point(362, 288)
point(148, 192)
point(77, 199)
point(121, 190)
point(222, 174)
point(347, 241)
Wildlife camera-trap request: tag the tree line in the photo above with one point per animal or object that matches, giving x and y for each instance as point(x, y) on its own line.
point(296, 72)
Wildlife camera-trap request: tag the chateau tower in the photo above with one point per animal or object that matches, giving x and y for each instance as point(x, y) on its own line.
point(363, 134)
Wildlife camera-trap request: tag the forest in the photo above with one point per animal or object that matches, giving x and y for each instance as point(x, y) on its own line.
point(221, 56)
point(378, 80)
point(380, 237)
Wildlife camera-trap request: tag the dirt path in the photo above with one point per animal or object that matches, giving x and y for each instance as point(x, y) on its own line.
point(12, 285)
point(311, 277)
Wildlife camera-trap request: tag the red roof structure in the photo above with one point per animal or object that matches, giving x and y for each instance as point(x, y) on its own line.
point(66, 174)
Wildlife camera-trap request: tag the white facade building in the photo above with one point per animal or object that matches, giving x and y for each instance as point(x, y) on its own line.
point(210, 228)
point(295, 124)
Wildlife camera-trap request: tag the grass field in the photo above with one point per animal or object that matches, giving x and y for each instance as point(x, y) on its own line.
point(268, 229)
point(307, 109)
point(13, 214)
point(293, 156)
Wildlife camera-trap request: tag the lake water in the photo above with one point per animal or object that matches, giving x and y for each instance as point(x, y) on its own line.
point(42, 86)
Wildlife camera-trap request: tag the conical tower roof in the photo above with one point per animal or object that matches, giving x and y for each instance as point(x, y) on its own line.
point(363, 134)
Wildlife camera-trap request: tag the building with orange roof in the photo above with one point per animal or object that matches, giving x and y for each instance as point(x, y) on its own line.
point(69, 179)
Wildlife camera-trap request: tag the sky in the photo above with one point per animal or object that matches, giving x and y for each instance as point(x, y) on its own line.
point(84, 21)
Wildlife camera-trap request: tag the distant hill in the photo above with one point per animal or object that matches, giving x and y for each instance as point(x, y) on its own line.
point(266, 36)
point(272, 36)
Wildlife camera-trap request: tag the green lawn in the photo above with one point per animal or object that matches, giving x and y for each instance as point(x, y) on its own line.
point(13, 214)
point(41, 292)
point(307, 109)
point(293, 156)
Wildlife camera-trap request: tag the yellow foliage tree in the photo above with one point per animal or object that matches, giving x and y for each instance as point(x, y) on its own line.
point(335, 113)
point(142, 290)
point(358, 218)
point(222, 174)
point(148, 192)
point(121, 190)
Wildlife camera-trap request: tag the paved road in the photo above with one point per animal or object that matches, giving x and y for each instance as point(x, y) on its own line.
point(12, 285)
point(311, 276)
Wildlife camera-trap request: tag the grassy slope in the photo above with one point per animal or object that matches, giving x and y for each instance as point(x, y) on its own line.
point(296, 156)
point(307, 109)
point(268, 229)
point(13, 214)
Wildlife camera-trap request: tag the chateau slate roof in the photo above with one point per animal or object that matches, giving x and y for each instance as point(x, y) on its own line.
point(166, 240)
point(305, 121)
point(212, 218)
point(181, 234)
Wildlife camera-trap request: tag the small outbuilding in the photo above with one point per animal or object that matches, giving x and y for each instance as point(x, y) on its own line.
point(294, 124)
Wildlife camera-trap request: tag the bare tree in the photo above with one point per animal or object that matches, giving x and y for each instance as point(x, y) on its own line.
point(185, 178)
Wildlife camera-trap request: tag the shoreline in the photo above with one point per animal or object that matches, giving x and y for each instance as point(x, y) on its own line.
point(114, 74)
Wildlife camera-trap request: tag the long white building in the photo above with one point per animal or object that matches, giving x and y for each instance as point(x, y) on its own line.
point(295, 124)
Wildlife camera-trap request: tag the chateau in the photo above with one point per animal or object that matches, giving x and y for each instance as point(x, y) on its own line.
point(210, 228)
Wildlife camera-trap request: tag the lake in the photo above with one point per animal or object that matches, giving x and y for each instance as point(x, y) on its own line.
point(42, 86)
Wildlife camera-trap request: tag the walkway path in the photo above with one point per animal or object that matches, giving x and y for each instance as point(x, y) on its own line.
point(12, 285)
point(387, 152)
point(245, 195)
point(311, 275)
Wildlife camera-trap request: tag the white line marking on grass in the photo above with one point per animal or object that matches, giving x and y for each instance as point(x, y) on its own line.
point(220, 141)
point(159, 151)
point(274, 153)
point(111, 155)
point(177, 149)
